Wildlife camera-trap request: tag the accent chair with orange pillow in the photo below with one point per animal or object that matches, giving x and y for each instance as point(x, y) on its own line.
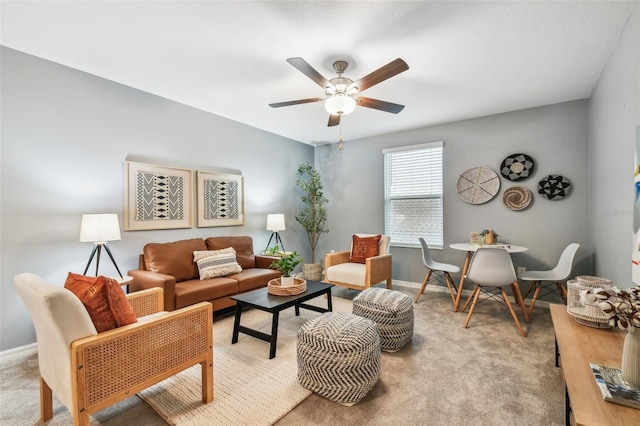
point(366, 264)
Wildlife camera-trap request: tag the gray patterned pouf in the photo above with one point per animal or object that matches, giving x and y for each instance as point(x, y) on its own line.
point(391, 310)
point(339, 356)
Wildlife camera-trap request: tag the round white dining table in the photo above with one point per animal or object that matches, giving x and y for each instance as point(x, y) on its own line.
point(470, 249)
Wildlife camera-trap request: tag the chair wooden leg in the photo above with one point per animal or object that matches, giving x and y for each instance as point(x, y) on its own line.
point(424, 285)
point(513, 313)
point(452, 287)
point(475, 294)
point(46, 401)
point(207, 380)
point(535, 297)
point(520, 301)
point(531, 287)
point(563, 291)
point(389, 283)
point(464, 308)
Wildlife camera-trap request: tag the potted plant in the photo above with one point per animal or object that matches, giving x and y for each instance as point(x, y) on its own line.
point(286, 264)
point(313, 216)
point(489, 236)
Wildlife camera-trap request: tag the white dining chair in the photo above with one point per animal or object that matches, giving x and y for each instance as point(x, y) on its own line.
point(437, 267)
point(492, 267)
point(551, 280)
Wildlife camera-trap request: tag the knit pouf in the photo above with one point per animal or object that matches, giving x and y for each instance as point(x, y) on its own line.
point(339, 356)
point(391, 310)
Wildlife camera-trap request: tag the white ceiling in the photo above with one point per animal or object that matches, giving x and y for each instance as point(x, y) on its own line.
point(467, 58)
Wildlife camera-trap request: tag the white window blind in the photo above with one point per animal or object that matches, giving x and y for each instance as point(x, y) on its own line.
point(413, 205)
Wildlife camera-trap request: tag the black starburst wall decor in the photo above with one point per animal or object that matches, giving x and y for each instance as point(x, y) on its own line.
point(554, 187)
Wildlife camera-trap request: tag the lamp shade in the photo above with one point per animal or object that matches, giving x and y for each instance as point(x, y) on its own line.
point(99, 228)
point(275, 222)
point(340, 104)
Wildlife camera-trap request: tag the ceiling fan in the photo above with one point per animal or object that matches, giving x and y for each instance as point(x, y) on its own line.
point(342, 93)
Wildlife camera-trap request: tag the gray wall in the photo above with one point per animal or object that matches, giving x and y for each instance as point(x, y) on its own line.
point(65, 137)
point(555, 136)
point(614, 113)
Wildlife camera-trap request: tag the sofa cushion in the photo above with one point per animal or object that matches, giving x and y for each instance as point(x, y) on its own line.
point(243, 246)
point(104, 300)
point(194, 291)
point(216, 263)
point(175, 259)
point(364, 247)
point(253, 278)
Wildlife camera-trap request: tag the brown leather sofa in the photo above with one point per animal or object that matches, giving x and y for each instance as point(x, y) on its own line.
point(171, 267)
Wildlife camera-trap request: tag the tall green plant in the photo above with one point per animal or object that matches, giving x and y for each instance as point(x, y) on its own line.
point(313, 216)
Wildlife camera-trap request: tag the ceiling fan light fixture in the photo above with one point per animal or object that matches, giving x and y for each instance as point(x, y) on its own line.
point(340, 104)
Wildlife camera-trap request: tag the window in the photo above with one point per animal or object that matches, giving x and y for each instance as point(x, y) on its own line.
point(413, 195)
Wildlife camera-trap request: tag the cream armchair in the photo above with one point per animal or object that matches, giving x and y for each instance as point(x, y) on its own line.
point(339, 271)
point(88, 371)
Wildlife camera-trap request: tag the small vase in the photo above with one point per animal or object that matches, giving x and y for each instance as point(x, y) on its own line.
point(286, 281)
point(490, 238)
point(631, 358)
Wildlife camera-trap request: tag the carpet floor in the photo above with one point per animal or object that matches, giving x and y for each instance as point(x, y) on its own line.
point(484, 375)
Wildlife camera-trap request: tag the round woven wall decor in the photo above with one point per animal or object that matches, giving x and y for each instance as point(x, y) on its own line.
point(478, 185)
point(554, 187)
point(517, 167)
point(517, 198)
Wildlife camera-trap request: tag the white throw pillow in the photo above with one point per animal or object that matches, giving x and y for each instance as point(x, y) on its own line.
point(216, 263)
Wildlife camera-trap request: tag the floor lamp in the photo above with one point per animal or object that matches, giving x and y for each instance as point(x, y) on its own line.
point(98, 229)
point(275, 223)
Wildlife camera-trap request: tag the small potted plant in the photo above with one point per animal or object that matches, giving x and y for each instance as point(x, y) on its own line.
point(286, 265)
point(489, 236)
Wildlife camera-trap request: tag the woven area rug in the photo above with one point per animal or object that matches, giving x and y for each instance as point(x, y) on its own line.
point(249, 388)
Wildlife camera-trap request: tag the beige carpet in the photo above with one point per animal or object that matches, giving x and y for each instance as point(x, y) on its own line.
point(243, 373)
point(447, 375)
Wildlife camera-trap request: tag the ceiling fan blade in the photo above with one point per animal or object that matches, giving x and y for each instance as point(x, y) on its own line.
point(378, 104)
point(299, 101)
point(334, 120)
point(381, 74)
point(306, 69)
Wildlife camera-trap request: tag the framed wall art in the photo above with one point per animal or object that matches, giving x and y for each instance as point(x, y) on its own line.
point(157, 197)
point(220, 199)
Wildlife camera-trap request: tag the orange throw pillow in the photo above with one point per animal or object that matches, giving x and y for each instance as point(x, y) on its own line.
point(104, 299)
point(364, 247)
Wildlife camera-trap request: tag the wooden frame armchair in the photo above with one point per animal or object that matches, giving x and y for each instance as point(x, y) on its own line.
point(357, 276)
point(88, 371)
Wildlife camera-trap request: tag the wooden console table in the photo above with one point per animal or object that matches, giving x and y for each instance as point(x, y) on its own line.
point(576, 346)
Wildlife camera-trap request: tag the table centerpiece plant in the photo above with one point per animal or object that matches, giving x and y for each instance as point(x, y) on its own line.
point(489, 236)
point(622, 308)
point(286, 264)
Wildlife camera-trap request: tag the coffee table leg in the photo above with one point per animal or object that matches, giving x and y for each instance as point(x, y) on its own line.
point(329, 304)
point(236, 323)
point(274, 334)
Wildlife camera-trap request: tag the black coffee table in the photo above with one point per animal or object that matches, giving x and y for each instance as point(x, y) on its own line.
point(261, 299)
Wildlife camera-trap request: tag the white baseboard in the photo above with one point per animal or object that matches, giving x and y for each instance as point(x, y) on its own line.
point(20, 351)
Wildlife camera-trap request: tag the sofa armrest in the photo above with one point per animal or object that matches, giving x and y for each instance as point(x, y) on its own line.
point(264, 262)
point(143, 280)
point(147, 302)
point(131, 358)
point(378, 269)
point(331, 259)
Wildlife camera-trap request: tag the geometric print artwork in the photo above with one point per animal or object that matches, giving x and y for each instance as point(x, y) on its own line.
point(554, 187)
point(159, 196)
point(517, 167)
point(221, 199)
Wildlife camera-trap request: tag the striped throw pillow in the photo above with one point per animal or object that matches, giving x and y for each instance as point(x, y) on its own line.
point(216, 263)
